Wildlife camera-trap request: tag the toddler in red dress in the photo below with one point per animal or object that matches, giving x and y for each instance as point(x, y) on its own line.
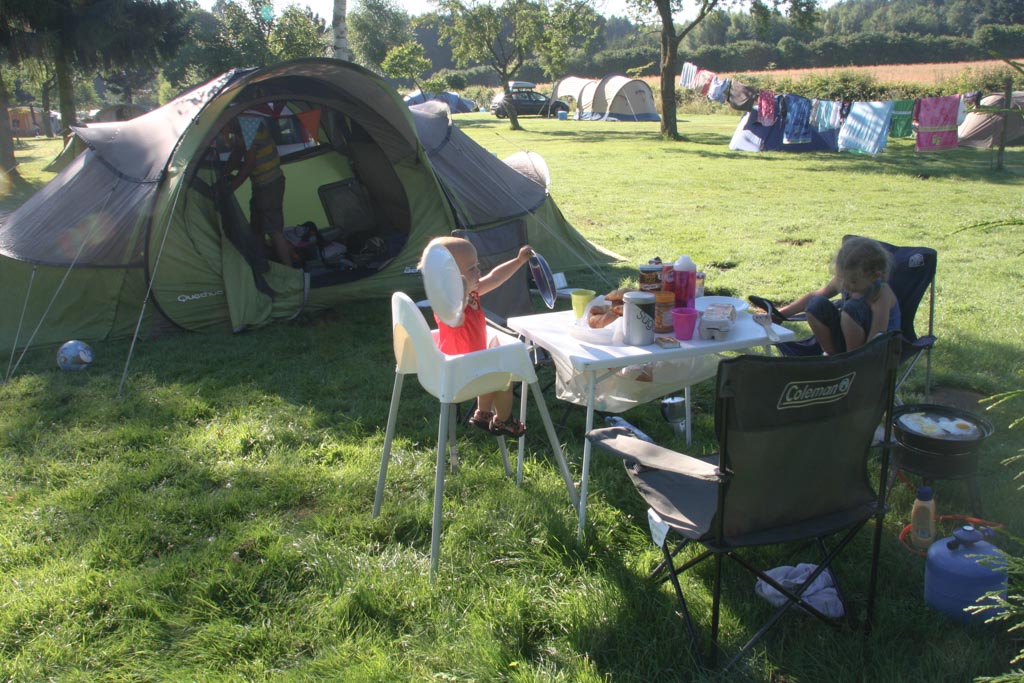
point(494, 410)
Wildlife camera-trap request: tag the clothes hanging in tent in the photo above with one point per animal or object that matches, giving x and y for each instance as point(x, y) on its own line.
point(936, 123)
point(798, 112)
point(866, 127)
point(902, 119)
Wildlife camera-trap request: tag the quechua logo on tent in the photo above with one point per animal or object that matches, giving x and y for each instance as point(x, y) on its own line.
point(802, 394)
point(185, 298)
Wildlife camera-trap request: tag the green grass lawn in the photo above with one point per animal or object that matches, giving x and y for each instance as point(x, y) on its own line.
point(213, 523)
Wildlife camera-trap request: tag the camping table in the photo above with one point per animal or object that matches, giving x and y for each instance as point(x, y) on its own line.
point(597, 363)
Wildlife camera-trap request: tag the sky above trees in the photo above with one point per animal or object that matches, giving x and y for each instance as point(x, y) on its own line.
point(325, 8)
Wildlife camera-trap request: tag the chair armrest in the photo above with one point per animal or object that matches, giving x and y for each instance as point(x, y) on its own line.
point(620, 441)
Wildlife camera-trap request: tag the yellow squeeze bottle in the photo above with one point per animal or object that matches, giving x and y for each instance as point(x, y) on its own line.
point(922, 519)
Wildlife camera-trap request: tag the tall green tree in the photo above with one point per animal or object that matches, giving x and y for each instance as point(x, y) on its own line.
point(375, 27)
point(407, 62)
point(88, 34)
point(299, 32)
point(801, 12)
point(504, 36)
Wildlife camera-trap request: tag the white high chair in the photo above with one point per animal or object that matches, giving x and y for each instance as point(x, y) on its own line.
point(453, 379)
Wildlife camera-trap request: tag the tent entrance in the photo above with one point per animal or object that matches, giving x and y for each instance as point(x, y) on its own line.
point(346, 211)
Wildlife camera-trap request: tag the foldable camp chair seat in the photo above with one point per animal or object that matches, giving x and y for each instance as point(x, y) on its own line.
point(913, 274)
point(795, 436)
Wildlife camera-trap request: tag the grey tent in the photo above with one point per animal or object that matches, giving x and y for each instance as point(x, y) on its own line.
point(140, 215)
point(984, 130)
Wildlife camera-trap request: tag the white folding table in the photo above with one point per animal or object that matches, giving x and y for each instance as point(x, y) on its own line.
point(600, 364)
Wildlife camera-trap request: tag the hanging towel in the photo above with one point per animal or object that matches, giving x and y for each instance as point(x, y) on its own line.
point(766, 107)
point(702, 81)
point(936, 123)
point(687, 74)
point(742, 97)
point(718, 89)
point(902, 119)
point(820, 594)
point(865, 127)
point(798, 113)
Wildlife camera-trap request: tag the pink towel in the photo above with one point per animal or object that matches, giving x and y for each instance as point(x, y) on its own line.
point(936, 123)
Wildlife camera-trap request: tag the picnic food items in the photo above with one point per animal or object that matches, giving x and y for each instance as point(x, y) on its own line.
point(716, 321)
point(602, 315)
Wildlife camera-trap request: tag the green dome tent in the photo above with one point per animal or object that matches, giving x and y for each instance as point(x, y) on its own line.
point(141, 212)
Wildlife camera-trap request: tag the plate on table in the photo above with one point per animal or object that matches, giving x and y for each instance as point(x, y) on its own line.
point(541, 272)
point(703, 302)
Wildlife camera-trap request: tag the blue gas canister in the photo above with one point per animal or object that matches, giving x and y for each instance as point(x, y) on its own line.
point(959, 570)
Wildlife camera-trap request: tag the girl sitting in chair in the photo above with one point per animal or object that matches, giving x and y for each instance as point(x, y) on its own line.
point(868, 308)
point(493, 411)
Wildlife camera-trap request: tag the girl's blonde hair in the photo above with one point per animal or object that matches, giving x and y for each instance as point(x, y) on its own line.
point(861, 254)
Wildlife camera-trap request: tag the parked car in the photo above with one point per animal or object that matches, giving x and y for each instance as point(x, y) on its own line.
point(527, 102)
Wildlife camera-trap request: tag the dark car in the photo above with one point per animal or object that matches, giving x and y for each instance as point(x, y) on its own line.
point(528, 103)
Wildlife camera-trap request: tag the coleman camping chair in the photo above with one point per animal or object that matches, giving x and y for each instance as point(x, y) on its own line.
point(795, 438)
point(912, 274)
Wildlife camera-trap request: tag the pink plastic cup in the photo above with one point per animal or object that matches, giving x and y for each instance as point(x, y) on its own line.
point(683, 322)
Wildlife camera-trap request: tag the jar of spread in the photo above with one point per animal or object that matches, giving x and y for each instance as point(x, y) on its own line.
point(664, 301)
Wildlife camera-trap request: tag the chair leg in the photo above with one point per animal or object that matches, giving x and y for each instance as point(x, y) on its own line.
point(453, 453)
point(435, 529)
point(716, 601)
point(523, 396)
point(503, 449)
point(694, 640)
point(389, 433)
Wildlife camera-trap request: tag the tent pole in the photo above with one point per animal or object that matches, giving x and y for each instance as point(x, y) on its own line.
point(21, 321)
point(149, 289)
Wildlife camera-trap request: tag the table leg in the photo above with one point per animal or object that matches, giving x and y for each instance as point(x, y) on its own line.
point(689, 414)
point(582, 511)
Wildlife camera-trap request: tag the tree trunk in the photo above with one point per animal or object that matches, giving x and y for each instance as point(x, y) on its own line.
point(47, 122)
point(9, 176)
point(340, 30)
point(65, 89)
point(669, 128)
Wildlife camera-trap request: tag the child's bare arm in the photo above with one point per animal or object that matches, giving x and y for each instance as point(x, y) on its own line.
point(798, 306)
point(503, 271)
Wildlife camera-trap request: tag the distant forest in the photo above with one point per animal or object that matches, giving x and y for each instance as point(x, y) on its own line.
point(849, 33)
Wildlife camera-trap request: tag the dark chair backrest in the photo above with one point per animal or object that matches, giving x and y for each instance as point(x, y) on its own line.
point(912, 274)
point(496, 245)
point(795, 434)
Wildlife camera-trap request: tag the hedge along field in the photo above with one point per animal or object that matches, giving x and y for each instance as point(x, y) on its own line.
point(214, 523)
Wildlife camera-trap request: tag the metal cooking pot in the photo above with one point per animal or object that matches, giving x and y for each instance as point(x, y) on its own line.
point(942, 443)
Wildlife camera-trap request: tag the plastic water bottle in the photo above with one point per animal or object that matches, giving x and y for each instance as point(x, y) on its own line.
point(685, 275)
point(922, 519)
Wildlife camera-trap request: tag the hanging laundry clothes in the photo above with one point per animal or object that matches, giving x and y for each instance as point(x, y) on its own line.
point(902, 119)
point(865, 127)
point(825, 115)
point(702, 81)
point(686, 75)
point(766, 108)
point(961, 112)
point(742, 97)
point(798, 113)
point(719, 89)
point(936, 123)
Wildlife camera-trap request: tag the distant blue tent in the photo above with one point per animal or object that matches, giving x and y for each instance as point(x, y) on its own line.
point(456, 103)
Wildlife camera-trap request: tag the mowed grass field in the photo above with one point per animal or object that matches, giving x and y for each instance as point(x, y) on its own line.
point(213, 523)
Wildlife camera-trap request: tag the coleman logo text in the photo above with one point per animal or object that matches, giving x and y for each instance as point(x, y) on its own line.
point(801, 394)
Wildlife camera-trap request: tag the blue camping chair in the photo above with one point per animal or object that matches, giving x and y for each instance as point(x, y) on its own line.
point(913, 274)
